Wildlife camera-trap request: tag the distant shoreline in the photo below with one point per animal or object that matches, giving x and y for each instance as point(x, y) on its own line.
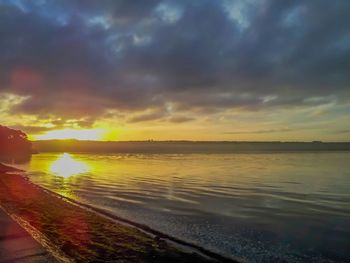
point(184, 146)
point(186, 141)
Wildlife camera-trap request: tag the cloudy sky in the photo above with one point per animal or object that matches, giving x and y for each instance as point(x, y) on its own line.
point(184, 69)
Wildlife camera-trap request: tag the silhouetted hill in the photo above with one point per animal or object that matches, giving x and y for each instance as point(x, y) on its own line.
point(183, 146)
point(14, 142)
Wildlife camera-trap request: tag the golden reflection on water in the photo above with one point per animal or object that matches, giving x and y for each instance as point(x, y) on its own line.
point(66, 166)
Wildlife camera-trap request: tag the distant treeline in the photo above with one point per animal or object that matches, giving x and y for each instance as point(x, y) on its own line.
point(183, 146)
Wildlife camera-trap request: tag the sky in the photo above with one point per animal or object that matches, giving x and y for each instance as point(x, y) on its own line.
point(252, 70)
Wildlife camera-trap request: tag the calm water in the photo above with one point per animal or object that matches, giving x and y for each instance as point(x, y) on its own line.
point(294, 206)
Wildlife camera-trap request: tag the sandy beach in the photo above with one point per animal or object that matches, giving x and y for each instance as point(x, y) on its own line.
point(74, 234)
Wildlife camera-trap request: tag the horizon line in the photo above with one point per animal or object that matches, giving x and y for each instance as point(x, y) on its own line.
point(196, 141)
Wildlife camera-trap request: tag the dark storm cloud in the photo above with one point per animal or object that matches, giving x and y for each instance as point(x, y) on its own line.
point(148, 116)
point(180, 119)
point(79, 58)
point(30, 129)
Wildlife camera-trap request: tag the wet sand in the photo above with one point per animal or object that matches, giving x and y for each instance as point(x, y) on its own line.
point(72, 233)
point(6, 169)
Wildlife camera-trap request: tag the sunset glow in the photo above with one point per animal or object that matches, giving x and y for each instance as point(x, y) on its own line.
point(91, 134)
point(153, 72)
point(216, 130)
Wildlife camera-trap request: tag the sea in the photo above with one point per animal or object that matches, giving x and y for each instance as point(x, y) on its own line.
point(258, 207)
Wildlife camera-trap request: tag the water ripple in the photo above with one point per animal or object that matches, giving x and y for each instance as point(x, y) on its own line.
point(290, 206)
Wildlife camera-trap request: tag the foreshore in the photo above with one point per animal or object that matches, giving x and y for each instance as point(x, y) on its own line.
point(74, 234)
point(17, 245)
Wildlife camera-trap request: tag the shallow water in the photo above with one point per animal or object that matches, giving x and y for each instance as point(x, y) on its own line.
point(259, 207)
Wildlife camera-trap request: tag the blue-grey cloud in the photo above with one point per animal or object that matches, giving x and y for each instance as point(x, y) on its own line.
point(79, 58)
